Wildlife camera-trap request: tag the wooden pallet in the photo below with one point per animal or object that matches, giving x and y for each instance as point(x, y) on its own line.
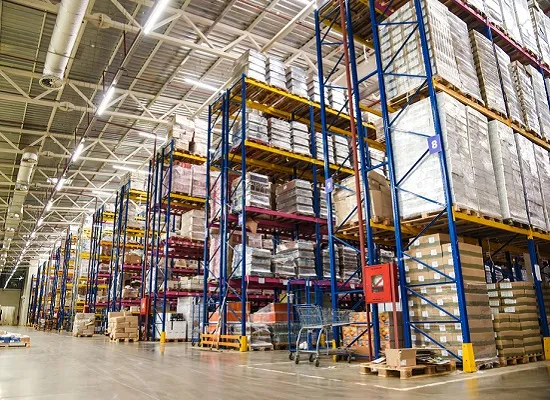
point(175, 340)
point(518, 360)
point(261, 348)
point(15, 345)
point(83, 335)
point(416, 371)
point(124, 340)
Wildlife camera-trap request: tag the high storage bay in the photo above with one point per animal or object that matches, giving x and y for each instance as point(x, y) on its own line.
point(275, 199)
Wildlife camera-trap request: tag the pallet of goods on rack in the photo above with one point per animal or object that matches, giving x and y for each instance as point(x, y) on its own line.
point(465, 114)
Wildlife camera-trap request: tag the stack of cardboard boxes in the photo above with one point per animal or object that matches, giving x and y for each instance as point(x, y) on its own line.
point(356, 332)
point(84, 324)
point(515, 318)
point(436, 251)
point(122, 326)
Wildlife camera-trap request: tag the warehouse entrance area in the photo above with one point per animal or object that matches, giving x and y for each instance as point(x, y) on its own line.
point(96, 368)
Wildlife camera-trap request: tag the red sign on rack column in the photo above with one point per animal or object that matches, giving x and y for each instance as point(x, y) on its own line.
point(380, 283)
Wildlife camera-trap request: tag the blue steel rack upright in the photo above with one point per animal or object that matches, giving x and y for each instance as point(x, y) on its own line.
point(64, 318)
point(53, 289)
point(41, 281)
point(33, 304)
point(361, 20)
point(162, 208)
point(118, 249)
point(360, 144)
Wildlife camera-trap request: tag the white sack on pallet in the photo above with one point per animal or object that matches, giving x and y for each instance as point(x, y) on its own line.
point(511, 97)
point(526, 96)
point(487, 71)
point(484, 174)
point(464, 57)
point(541, 33)
point(525, 25)
point(510, 20)
point(541, 101)
point(531, 182)
point(409, 60)
point(543, 167)
point(507, 172)
point(426, 180)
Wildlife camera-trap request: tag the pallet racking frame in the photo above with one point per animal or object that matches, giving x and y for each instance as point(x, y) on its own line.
point(360, 21)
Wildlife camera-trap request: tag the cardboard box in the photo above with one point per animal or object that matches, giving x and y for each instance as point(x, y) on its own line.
point(401, 357)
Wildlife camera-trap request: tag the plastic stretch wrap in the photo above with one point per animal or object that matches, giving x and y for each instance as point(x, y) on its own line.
point(541, 32)
point(484, 174)
point(525, 25)
point(531, 182)
point(493, 11)
point(543, 167)
point(487, 72)
point(526, 96)
point(258, 262)
point(409, 59)
point(514, 107)
point(510, 20)
point(464, 57)
point(541, 101)
point(426, 180)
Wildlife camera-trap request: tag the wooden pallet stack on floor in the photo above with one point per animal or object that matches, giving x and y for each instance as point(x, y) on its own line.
point(13, 340)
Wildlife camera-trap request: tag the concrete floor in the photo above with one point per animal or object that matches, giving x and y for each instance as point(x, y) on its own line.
point(63, 367)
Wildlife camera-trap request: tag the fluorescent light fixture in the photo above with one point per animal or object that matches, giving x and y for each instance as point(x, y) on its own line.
point(49, 205)
point(130, 169)
point(33, 235)
point(40, 221)
point(52, 180)
point(100, 193)
point(200, 84)
point(60, 184)
point(151, 136)
point(106, 100)
point(155, 15)
point(78, 151)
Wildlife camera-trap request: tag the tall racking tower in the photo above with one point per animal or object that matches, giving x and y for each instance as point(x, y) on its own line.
point(360, 22)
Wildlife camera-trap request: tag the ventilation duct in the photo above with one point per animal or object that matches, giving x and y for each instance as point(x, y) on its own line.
point(69, 19)
point(14, 215)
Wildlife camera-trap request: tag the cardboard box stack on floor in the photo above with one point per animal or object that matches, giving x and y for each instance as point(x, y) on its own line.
point(435, 251)
point(356, 336)
point(84, 324)
point(122, 325)
point(515, 318)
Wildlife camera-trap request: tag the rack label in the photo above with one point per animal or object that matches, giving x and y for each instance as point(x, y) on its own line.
point(329, 185)
point(434, 144)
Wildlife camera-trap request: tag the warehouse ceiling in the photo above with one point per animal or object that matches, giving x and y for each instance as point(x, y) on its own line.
point(174, 69)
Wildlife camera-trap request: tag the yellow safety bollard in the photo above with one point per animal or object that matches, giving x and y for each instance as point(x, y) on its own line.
point(244, 344)
point(468, 358)
point(163, 337)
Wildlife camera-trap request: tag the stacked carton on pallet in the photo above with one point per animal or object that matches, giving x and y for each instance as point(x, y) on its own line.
point(435, 251)
point(84, 324)
point(122, 326)
point(515, 318)
point(192, 225)
point(357, 338)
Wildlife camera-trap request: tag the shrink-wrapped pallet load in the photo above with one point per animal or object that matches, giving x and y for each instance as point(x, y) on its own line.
point(531, 182)
point(526, 96)
point(511, 97)
point(507, 169)
point(541, 101)
point(487, 71)
point(525, 25)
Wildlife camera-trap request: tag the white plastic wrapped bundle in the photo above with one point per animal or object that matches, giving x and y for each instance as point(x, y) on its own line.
point(543, 165)
point(426, 179)
point(510, 20)
point(514, 108)
point(252, 64)
point(493, 11)
point(464, 57)
point(256, 129)
point(198, 181)
point(479, 5)
point(484, 175)
point(541, 32)
point(182, 179)
point(531, 182)
point(258, 262)
point(526, 96)
point(541, 101)
point(200, 138)
point(525, 24)
point(409, 60)
point(193, 225)
point(487, 71)
point(507, 172)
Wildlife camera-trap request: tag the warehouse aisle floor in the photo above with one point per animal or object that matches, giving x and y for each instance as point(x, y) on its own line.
point(63, 367)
